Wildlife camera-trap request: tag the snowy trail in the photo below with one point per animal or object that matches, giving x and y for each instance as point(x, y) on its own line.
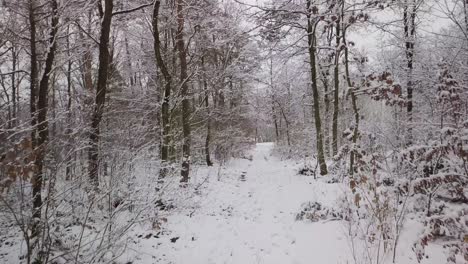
point(252, 220)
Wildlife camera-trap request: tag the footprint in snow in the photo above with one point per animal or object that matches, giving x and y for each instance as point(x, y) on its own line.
point(242, 178)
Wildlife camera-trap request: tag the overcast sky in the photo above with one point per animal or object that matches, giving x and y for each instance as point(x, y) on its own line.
point(370, 38)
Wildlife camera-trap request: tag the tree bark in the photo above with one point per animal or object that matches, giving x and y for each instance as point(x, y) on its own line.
point(273, 99)
point(336, 75)
point(465, 11)
point(165, 114)
point(326, 100)
point(183, 92)
point(37, 177)
point(87, 62)
point(208, 118)
point(87, 69)
point(34, 69)
point(354, 105)
point(409, 17)
point(13, 85)
point(275, 120)
point(313, 68)
point(286, 121)
point(68, 131)
point(42, 124)
point(100, 99)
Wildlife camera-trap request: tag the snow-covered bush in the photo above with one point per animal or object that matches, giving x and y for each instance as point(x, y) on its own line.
point(440, 174)
point(315, 211)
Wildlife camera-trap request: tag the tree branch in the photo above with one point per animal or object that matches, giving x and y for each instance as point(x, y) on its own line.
point(121, 12)
point(12, 72)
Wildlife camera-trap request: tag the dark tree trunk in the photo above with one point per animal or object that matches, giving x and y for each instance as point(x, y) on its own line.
point(465, 11)
point(354, 105)
point(273, 110)
point(42, 124)
point(313, 69)
point(336, 75)
point(275, 121)
point(409, 17)
point(13, 85)
point(207, 142)
point(68, 131)
point(286, 121)
point(87, 70)
point(326, 100)
point(34, 69)
point(208, 118)
point(100, 99)
point(165, 114)
point(87, 63)
point(8, 103)
point(37, 177)
point(183, 92)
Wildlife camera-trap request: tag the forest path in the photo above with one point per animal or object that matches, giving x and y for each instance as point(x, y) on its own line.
point(251, 218)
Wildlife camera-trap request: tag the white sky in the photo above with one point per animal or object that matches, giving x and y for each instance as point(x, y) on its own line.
point(370, 39)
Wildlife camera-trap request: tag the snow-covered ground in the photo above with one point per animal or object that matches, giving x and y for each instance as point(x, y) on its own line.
point(246, 213)
point(249, 216)
point(250, 219)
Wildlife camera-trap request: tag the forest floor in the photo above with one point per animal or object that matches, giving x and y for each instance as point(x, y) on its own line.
point(244, 212)
point(249, 216)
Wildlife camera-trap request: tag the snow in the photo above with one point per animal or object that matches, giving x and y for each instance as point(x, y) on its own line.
point(252, 221)
point(248, 216)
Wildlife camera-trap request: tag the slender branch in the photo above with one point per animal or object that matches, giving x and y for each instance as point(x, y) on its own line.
point(7, 50)
point(13, 72)
point(87, 33)
point(121, 12)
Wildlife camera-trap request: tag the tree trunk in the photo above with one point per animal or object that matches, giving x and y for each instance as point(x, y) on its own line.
point(208, 118)
point(275, 121)
point(131, 74)
point(34, 69)
point(87, 62)
point(13, 85)
point(68, 131)
point(183, 92)
point(87, 69)
point(165, 114)
point(336, 75)
point(288, 135)
point(465, 9)
point(100, 99)
point(326, 101)
point(53, 130)
point(409, 17)
point(207, 143)
point(8, 104)
point(37, 177)
point(313, 68)
point(273, 99)
point(42, 124)
point(354, 105)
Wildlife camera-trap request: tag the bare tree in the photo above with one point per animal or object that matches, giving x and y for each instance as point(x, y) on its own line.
point(184, 78)
point(312, 22)
point(165, 114)
point(42, 123)
point(100, 99)
point(409, 18)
